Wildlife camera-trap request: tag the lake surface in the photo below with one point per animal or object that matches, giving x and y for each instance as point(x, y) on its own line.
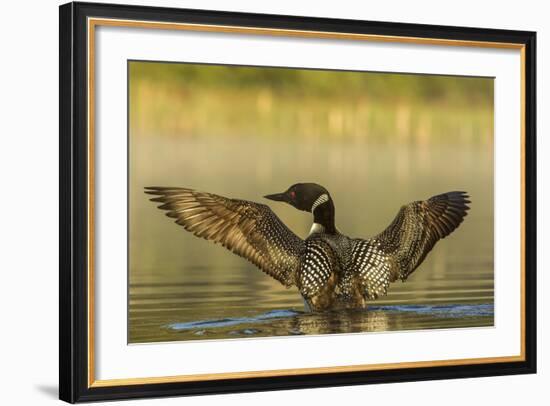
point(197, 310)
point(185, 288)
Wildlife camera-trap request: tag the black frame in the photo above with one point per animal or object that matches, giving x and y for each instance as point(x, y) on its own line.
point(73, 289)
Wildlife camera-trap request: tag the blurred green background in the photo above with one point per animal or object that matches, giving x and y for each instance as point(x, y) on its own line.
point(374, 140)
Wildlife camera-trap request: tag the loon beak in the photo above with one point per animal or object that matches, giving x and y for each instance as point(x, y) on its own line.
point(279, 197)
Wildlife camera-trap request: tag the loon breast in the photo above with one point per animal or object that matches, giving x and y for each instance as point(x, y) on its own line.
point(316, 228)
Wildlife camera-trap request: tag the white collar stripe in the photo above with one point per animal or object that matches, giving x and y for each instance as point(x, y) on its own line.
point(320, 200)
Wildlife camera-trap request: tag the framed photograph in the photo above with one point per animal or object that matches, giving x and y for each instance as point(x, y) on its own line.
point(257, 202)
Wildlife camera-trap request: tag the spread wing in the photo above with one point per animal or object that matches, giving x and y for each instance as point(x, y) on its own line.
point(418, 226)
point(250, 230)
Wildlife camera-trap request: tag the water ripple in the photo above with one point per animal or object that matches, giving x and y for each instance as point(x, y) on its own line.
point(443, 311)
point(228, 322)
point(450, 310)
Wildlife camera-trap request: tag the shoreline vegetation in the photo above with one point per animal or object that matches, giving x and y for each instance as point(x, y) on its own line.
point(191, 100)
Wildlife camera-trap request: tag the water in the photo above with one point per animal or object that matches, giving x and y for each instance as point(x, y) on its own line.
point(235, 307)
point(176, 301)
point(185, 288)
point(376, 318)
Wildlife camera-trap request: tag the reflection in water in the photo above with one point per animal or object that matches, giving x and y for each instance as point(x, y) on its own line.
point(376, 318)
point(288, 322)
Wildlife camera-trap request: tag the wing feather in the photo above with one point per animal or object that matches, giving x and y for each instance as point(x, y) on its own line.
point(250, 230)
point(418, 226)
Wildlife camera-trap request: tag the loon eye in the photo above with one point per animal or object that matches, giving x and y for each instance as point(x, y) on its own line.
point(292, 195)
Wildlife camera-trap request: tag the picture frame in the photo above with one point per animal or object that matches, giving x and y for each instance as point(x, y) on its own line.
point(79, 22)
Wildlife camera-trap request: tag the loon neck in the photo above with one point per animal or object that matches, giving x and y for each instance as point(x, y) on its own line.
point(323, 218)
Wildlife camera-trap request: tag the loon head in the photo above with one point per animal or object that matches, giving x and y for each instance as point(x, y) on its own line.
point(303, 196)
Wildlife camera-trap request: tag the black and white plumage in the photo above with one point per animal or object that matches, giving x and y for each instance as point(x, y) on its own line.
point(331, 270)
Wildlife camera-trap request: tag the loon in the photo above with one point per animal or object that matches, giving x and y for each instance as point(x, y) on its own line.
point(331, 270)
